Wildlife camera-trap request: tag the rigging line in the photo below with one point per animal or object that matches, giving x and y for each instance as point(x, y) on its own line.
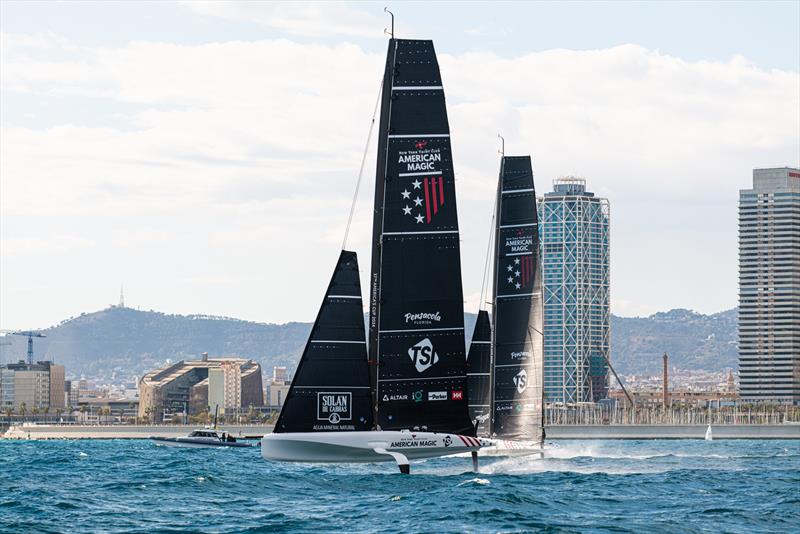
point(363, 162)
point(488, 250)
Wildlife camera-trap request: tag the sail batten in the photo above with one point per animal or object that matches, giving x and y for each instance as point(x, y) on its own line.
point(416, 338)
point(517, 343)
point(331, 391)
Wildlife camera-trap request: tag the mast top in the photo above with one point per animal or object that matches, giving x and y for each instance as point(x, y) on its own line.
point(502, 150)
point(391, 33)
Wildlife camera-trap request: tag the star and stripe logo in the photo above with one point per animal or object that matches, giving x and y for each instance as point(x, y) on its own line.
point(425, 198)
point(519, 272)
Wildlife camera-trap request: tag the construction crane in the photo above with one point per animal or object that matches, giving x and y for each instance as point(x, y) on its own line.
point(30, 335)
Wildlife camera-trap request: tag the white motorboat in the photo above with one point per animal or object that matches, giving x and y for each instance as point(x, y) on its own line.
point(207, 437)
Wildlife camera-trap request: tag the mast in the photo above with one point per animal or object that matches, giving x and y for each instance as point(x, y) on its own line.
point(330, 390)
point(479, 382)
point(416, 323)
point(517, 307)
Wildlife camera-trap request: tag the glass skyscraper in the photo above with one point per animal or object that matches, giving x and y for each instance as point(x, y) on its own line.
point(769, 287)
point(574, 226)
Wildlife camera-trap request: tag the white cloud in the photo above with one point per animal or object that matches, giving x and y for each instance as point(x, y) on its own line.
point(297, 18)
point(243, 155)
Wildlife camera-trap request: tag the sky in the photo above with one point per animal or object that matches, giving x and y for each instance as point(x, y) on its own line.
point(204, 155)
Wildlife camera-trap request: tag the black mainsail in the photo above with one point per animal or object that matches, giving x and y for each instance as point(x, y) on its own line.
point(517, 317)
point(330, 391)
point(416, 325)
point(479, 365)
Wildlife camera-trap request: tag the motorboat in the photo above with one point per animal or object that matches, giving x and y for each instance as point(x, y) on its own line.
point(207, 437)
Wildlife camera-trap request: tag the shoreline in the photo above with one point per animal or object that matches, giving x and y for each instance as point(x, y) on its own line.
point(571, 432)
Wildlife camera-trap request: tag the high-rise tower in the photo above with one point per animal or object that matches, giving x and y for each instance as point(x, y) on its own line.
point(574, 226)
point(769, 287)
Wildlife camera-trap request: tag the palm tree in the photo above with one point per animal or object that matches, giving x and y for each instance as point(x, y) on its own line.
point(22, 408)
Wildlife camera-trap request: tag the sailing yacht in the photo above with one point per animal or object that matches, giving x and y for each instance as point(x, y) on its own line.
point(404, 394)
point(506, 354)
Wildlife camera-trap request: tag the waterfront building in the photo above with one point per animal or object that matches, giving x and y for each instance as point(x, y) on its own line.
point(225, 387)
point(192, 386)
point(277, 388)
point(769, 287)
point(574, 228)
point(38, 386)
point(279, 374)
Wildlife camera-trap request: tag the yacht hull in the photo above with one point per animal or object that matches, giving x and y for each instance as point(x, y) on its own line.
point(188, 442)
point(366, 446)
point(503, 447)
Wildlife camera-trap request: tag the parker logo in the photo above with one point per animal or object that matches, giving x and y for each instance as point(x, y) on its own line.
point(423, 317)
point(422, 355)
point(458, 395)
point(521, 381)
point(419, 145)
point(334, 406)
point(437, 395)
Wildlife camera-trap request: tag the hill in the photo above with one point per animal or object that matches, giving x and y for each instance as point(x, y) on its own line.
point(692, 340)
point(119, 342)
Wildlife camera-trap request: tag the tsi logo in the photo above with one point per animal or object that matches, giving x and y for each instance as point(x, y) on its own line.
point(521, 381)
point(423, 355)
point(334, 406)
point(437, 395)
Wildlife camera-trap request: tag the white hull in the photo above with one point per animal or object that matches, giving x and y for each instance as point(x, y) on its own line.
point(366, 447)
point(503, 447)
point(178, 442)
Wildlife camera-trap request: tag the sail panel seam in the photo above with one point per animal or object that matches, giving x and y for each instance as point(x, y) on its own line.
point(422, 233)
point(418, 379)
point(432, 173)
point(516, 191)
point(416, 136)
point(420, 330)
point(337, 341)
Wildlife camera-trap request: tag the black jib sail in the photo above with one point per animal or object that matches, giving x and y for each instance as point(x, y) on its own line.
point(330, 391)
point(416, 328)
point(479, 382)
point(517, 317)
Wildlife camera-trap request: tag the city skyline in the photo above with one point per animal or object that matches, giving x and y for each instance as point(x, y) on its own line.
point(179, 164)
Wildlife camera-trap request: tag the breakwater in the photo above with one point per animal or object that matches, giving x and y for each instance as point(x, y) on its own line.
point(779, 431)
point(28, 431)
point(554, 432)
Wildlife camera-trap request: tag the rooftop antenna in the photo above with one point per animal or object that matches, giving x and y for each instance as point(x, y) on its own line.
point(502, 150)
point(391, 33)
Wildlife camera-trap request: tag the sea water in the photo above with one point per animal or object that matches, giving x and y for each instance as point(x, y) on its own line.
point(581, 486)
